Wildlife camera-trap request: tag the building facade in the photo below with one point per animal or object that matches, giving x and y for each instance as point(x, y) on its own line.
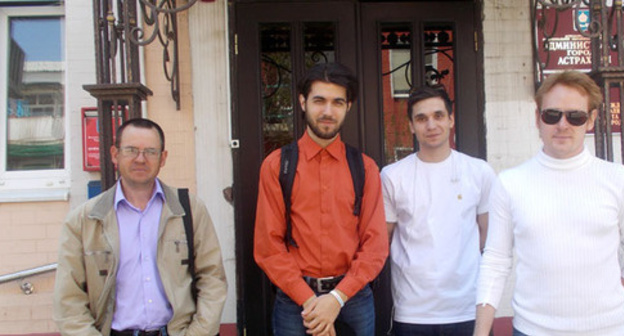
point(236, 106)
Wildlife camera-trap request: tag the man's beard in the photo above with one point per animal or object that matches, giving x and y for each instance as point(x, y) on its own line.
point(319, 132)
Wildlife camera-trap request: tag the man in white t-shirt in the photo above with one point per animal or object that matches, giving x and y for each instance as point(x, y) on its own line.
point(562, 213)
point(436, 204)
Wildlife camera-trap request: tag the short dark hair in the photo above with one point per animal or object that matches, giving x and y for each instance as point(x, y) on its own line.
point(140, 123)
point(426, 92)
point(334, 73)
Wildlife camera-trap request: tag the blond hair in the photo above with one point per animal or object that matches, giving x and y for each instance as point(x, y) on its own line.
point(576, 80)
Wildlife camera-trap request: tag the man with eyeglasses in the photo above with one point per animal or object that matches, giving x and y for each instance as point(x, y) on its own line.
point(562, 213)
point(123, 267)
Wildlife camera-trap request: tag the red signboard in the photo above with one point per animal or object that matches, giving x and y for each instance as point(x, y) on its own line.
point(91, 138)
point(561, 46)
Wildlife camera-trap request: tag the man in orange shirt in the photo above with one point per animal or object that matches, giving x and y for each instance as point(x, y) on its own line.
point(324, 276)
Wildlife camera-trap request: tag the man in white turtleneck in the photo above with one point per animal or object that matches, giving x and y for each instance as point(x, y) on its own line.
point(562, 212)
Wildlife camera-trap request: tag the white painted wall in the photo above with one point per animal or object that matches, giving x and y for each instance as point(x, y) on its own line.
point(508, 65)
point(511, 136)
point(80, 56)
point(208, 30)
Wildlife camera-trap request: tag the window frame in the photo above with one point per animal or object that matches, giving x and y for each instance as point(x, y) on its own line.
point(33, 185)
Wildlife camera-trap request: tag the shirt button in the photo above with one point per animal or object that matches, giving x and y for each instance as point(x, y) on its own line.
point(149, 301)
point(147, 279)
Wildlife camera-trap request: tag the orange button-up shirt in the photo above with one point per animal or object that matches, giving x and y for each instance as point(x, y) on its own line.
point(332, 241)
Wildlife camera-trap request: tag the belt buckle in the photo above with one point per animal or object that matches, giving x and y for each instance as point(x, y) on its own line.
point(150, 332)
point(319, 283)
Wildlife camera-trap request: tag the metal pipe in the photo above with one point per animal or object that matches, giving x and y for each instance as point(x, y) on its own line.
point(28, 272)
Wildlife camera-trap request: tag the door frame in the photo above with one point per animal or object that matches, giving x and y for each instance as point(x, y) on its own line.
point(367, 135)
point(469, 102)
point(251, 281)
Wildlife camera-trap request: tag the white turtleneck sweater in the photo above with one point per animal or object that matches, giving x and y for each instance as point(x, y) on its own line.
point(564, 219)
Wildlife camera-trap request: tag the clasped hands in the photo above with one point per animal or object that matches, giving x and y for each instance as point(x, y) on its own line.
point(319, 314)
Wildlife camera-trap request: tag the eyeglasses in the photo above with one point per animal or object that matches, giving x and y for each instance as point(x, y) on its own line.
point(133, 152)
point(574, 117)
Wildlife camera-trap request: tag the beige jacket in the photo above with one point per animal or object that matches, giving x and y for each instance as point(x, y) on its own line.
point(84, 294)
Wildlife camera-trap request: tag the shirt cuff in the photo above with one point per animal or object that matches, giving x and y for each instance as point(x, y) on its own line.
point(349, 286)
point(490, 297)
point(300, 292)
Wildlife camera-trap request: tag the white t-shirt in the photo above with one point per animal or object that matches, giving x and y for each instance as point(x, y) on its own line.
point(435, 245)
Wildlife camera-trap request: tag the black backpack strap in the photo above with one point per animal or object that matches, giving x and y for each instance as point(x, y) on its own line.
point(288, 167)
point(183, 196)
point(356, 166)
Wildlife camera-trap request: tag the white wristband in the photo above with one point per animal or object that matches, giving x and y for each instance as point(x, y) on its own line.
point(337, 296)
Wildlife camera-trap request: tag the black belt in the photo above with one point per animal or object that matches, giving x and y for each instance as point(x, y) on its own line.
point(157, 332)
point(323, 285)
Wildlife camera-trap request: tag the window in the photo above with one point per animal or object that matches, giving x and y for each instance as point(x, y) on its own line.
point(32, 103)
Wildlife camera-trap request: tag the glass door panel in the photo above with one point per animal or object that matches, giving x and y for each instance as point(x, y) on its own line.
point(397, 59)
point(319, 43)
point(279, 97)
point(396, 69)
point(277, 93)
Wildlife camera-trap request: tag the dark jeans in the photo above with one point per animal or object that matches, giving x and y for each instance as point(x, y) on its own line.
point(517, 332)
point(451, 329)
point(358, 314)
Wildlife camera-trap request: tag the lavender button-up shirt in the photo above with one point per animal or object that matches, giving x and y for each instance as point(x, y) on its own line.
point(141, 302)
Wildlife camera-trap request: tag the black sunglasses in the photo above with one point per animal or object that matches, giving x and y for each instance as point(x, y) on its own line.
point(574, 117)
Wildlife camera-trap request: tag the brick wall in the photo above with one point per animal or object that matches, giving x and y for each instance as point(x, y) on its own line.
point(29, 238)
point(178, 125)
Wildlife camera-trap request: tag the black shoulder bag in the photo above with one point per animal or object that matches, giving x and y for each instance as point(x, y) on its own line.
point(183, 196)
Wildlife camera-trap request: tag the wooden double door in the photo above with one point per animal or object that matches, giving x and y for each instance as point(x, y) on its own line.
point(392, 47)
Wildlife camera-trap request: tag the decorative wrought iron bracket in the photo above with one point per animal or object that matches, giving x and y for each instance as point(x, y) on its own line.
point(162, 17)
point(118, 37)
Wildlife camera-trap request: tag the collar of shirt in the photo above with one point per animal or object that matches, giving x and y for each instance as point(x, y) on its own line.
point(311, 149)
point(120, 197)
